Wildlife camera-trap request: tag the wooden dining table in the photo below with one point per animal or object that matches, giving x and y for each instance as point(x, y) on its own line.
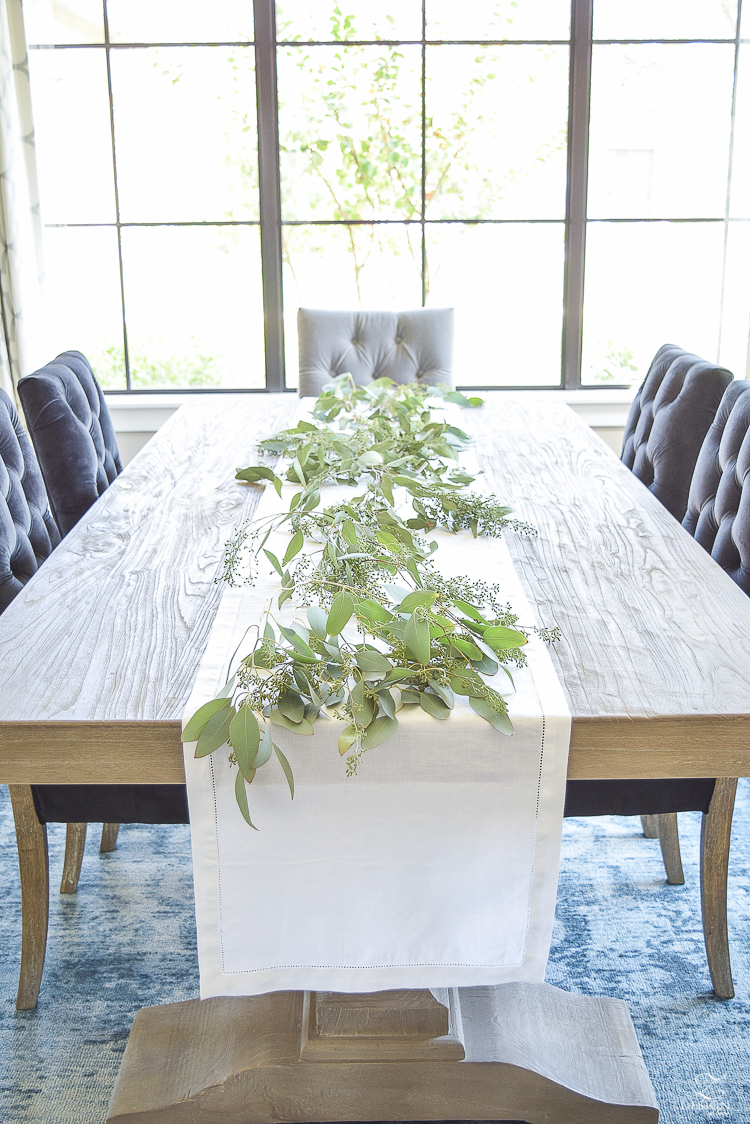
point(101, 649)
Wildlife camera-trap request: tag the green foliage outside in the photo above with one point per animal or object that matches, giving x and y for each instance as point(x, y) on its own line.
point(150, 373)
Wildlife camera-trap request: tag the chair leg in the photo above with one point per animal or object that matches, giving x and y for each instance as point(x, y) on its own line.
point(716, 831)
point(669, 839)
point(75, 841)
point(650, 826)
point(33, 865)
point(109, 837)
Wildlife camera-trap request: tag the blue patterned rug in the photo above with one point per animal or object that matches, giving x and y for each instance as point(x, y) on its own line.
point(127, 939)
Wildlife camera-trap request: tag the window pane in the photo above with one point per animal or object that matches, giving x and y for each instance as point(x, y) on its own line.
point(506, 285)
point(73, 138)
point(740, 198)
point(83, 308)
point(498, 19)
point(649, 284)
point(326, 20)
point(348, 267)
point(496, 132)
point(350, 132)
point(665, 19)
point(193, 306)
point(185, 133)
point(63, 21)
point(735, 318)
point(180, 21)
point(660, 125)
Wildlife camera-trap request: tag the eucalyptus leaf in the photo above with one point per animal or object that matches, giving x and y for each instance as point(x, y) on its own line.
point(280, 719)
point(413, 600)
point(379, 731)
point(240, 793)
point(341, 610)
point(295, 546)
point(347, 739)
point(216, 732)
point(417, 639)
point(244, 734)
point(317, 618)
point(500, 638)
point(501, 722)
point(266, 748)
point(197, 724)
point(372, 662)
point(434, 705)
point(286, 767)
point(291, 705)
point(274, 562)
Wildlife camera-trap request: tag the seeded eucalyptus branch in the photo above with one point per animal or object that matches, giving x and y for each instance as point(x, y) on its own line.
point(413, 637)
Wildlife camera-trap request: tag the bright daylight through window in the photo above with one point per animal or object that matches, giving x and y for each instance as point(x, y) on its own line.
point(579, 196)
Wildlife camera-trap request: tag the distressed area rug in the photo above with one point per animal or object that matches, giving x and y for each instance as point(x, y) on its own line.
point(127, 940)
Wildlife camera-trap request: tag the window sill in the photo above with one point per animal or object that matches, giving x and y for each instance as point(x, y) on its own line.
point(145, 413)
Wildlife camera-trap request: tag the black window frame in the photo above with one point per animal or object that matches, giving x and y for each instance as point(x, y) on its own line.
point(271, 221)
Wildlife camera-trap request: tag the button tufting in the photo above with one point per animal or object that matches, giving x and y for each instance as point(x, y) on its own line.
point(398, 339)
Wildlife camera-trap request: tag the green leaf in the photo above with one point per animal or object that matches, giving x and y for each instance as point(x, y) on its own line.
point(444, 692)
point(266, 748)
point(417, 639)
point(317, 618)
point(500, 638)
point(313, 499)
point(385, 698)
point(466, 648)
point(294, 501)
point(501, 722)
point(433, 705)
point(370, 458)
point(198, 722)
point(280, 719)
point(268, 632)
point(284, 596)
point(297, 642)
point(414, 600)
point(341, 610)
point(372, 662)
point(274, 562)
point(386, 489)
point(240, 793)
point(286, 767)
point(256, 473)
point(363, 706)
point(379, 731)
point(292, 706)
point(372, 611)
point(346, 739)
point(244, 734)
point(349, 532)
point(298, 471)
point(215, 732)
point(295, 546)
point(470, 610)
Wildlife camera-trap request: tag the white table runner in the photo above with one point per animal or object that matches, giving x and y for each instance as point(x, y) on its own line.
point(436, 866)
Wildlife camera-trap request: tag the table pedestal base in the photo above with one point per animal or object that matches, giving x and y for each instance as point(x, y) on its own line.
point(525, 1052)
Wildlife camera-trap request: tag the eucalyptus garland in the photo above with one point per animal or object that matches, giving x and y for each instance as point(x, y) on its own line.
point(414, 637)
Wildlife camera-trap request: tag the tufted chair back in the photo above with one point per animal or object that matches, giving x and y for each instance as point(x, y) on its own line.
point(27, 530)
point(73, 435)
point(404, 346)
point(718, 511)
point(670, 416)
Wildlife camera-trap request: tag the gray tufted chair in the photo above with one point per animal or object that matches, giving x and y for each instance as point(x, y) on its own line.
point(670, 416)
point(718, 510)
point(73, 435)
point(28, 533)
point(404, 346)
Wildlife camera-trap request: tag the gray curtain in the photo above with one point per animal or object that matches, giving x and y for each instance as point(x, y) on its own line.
point(20, 221)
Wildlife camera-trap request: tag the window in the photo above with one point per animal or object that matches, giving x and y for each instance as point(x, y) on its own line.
point(569, 177)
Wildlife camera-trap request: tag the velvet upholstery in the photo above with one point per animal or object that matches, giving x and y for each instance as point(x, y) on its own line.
point(73, 435)
point(670, 416)
point(718, 511)
point(28, 532)
point(404, 346)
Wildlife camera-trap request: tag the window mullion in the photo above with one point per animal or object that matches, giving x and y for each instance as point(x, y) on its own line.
point(575, 209)
point(269, 190)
